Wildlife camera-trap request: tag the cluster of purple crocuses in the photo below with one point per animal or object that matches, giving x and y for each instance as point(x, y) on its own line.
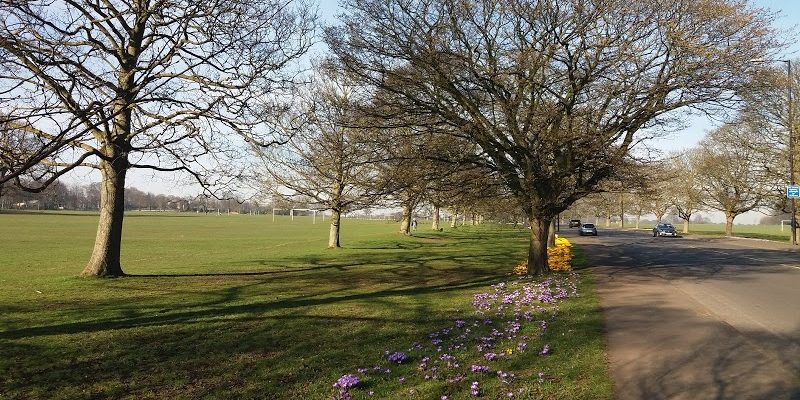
point(500, 328)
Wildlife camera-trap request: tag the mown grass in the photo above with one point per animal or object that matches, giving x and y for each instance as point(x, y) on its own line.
point(768, 232)
point(242, 307)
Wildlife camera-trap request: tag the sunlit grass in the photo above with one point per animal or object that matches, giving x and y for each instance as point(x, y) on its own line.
point(237, 306)
point(769, 232)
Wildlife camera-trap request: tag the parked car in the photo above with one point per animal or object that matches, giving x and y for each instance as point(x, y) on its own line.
point(664, 230)
point(588, 229)
point(574, 223)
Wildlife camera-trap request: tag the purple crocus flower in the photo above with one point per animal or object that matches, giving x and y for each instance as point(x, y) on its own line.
point(479, 369)
point(398, 357)
point(346, 382)
point(474, 391)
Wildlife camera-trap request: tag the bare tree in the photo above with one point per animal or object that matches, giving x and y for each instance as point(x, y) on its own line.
point(455, 179)
point(685, 189)
point(659, 203)
point(555, 92)
point(328, 161)
point(730, 167)
point(154, 84)
point(410, 177)
point(637, 207)
point(767, 105)
point(16, 147)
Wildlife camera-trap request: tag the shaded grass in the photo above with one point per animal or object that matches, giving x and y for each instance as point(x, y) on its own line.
point(243, 307)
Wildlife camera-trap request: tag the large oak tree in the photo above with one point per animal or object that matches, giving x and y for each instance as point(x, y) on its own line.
point(555, 92)
point(158, 84)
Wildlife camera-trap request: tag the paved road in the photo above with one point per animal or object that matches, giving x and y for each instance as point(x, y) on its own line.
point(707, 318)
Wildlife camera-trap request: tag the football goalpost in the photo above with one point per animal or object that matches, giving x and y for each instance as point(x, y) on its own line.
point(292, 210)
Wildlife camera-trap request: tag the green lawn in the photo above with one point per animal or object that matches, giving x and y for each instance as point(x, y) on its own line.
point(238, 306)
point(769, 232)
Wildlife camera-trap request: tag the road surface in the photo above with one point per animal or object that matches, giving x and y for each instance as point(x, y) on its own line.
point(698, 318)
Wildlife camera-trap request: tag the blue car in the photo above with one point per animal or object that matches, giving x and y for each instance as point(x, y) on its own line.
point(662, 230)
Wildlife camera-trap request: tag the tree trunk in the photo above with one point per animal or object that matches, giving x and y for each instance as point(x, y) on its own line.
point(454, 218)
point(686, 225)
point(435, 224)
point(729, 224)
point(333, 236)
point(537, 249)
point(405, 223)
point(608, 221)
point(796, 230)
point(638, 220)
point(474, 219)
point(551, 235)
point(105, 260)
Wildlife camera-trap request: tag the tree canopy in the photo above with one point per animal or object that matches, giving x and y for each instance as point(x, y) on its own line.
point(555, 93)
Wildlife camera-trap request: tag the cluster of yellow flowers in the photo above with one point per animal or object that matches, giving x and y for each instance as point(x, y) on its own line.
point(558, 258)
point(521, 268)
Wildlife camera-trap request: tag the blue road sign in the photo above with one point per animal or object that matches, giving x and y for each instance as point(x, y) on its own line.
point(792, 191)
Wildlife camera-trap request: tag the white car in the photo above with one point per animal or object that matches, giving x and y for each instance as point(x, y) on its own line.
point(588, 229)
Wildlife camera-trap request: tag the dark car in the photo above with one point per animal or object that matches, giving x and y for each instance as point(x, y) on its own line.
point(574, 223)
point(588, 229)
point(664, 230)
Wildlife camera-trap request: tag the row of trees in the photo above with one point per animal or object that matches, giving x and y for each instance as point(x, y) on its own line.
point(537, 104)
point(737, 168)
point(59, 196)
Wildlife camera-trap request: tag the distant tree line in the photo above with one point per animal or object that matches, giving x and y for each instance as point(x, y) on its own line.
point(61, 196)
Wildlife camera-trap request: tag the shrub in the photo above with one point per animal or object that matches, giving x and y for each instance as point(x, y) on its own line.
point(559, 258)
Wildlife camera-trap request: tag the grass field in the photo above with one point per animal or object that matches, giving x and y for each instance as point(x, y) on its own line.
point(242, 307)
point(769, 232)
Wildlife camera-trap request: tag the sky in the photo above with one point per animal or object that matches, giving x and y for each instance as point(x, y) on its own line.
point(696, 128)
point(787, 19)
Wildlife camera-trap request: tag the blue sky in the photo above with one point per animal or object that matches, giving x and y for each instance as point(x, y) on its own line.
point(787, 19)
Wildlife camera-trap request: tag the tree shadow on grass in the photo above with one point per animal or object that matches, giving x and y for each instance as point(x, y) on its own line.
point(283, 344)
point(284, 330)
point(413, 285)
point(276, 357)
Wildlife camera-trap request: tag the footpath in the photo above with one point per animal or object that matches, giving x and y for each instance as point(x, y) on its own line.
point(666, 342)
